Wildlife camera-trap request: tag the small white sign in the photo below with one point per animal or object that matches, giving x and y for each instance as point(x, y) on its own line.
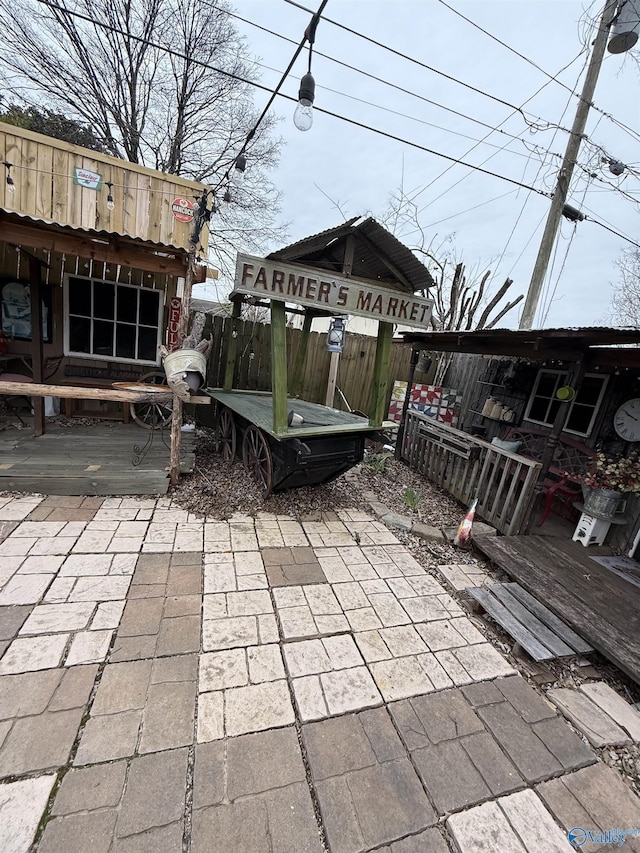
point(85, 178)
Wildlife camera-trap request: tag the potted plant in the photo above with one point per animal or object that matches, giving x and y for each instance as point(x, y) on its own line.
point(609, 480)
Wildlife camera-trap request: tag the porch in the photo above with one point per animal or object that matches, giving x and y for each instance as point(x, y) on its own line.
point(95, 459)
point(599, 604)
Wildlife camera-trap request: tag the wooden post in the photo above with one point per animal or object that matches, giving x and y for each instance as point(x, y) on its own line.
point(279, 366)
point(407, 399)
point(176, 414)
point(36, 342)
point(333, 376)
point(378, 397)
point(347, 266)
point(301, 357)
point(232, 346)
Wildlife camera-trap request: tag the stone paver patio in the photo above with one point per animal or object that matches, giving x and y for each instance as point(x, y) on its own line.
point(169, 683)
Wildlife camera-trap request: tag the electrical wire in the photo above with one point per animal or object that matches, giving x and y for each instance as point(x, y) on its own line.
point(415, 61)
point(361, 125)
point(378, 80)
point(352, 122)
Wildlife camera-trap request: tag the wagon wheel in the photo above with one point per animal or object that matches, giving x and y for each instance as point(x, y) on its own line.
point(256, 456)
point(152, 415)
point(226, 435)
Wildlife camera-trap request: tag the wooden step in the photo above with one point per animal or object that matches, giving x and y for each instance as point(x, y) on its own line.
point(533, 626)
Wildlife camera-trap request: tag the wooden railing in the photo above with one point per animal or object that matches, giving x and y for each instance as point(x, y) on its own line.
point(467, 467)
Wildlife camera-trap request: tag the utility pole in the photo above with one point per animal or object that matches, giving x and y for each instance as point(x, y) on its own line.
point(566, 169)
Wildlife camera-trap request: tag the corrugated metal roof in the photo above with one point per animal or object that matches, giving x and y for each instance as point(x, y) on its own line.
point(92, 233)
point(378, 256)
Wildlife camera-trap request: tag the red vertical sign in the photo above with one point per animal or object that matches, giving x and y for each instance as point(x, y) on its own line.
point(175, 308)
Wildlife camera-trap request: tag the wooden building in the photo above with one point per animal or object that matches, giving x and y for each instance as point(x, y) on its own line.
point(92, 249)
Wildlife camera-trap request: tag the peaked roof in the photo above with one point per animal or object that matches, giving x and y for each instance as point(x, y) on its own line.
point(378, 255)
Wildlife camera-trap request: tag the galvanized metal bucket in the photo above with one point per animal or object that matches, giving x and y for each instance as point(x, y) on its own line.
point(604, 502)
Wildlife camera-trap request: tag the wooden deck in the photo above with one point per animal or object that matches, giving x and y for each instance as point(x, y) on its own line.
point(601, 606)
point(88, 460)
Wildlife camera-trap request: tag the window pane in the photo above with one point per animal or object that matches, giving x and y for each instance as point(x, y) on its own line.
point(590, 390)
point(538, 411)
point(102, 338)
point(80, 297)
point(580, 418)
point(547, 384)
point(79, 334)
point(103, 297)
point(147, 344)
point(127, 304)
point(125, 341)
point(149, 300)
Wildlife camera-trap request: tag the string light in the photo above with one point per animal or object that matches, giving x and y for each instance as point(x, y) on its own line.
point(110, 202)
point(303, 115)
point(11, 187)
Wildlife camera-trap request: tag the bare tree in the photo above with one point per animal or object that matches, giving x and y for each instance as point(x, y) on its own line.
point(462, 299)
point(157, 82)
point(625, 302)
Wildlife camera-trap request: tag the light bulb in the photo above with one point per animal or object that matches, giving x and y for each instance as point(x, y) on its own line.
point(110, 202)
point(11, 187)
point(237, 177)
point(303, 116)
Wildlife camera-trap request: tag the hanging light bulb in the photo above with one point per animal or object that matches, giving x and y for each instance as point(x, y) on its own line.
point(11, 187)
point(110, 202)
point(303, 116)
point(237, 177)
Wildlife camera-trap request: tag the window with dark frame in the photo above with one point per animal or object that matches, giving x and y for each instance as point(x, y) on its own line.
point(112, 321)
point(543, 404)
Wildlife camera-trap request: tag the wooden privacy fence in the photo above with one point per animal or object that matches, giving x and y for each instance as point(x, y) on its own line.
point(467, 467)
point(253, 362)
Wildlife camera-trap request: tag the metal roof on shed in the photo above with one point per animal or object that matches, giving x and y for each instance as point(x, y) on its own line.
point(378, 255)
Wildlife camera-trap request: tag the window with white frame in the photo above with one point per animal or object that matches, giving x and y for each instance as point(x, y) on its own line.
point(543, 404)
point(112, 321)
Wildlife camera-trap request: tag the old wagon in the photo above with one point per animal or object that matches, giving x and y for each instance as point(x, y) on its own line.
point(287, 442)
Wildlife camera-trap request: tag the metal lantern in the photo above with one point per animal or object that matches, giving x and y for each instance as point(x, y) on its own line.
point(335, 335)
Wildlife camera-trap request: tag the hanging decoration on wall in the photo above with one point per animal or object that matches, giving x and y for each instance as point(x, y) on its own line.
point(87, 179)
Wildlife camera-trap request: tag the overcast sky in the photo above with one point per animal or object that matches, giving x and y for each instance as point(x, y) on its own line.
point(337, 162)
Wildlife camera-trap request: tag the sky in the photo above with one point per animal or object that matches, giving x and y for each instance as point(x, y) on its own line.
point(336, 170)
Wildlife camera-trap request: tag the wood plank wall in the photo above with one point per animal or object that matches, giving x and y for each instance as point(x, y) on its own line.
point(43, 168)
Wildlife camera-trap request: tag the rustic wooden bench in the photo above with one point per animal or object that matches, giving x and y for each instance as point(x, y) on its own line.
point(571, 460)
point(533, 626)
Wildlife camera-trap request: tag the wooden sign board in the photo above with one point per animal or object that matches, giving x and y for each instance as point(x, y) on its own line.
point(314, 288)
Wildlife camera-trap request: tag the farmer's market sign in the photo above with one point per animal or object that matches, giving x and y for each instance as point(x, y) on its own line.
point(286, 282)
point(85, 178)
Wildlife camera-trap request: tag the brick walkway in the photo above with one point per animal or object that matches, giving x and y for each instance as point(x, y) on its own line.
point(264, 686)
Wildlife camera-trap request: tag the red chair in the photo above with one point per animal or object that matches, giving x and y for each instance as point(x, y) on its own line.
point(563, 490)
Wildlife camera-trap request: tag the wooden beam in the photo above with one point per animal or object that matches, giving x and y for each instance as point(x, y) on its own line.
point(78, 392)
point(387, 263)
point(279, 367)
point(109, 251)
point(36, 341)
point(378, 397)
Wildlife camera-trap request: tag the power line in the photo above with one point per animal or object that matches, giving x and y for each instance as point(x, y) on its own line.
point(361, 125)
point(379, 80)
point(412, 59)
point(511, 49)
point(613, 231)
point(402, 55)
